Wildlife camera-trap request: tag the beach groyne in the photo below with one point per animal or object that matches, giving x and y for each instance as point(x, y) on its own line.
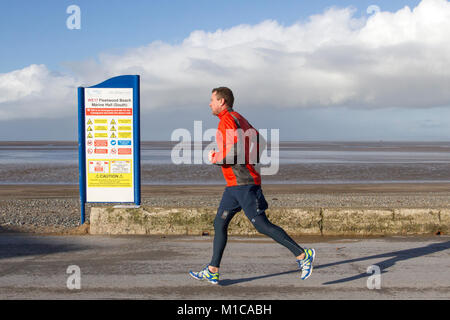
point(296, 221)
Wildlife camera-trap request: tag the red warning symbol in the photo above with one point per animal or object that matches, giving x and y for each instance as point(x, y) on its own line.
point(124, 150)
point(101, 143)
point(101, 151)
point(98, 167)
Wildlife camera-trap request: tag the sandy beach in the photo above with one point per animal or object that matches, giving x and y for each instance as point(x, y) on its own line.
point(56, 208)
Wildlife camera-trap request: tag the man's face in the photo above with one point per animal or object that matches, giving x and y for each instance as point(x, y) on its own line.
point(216, 105)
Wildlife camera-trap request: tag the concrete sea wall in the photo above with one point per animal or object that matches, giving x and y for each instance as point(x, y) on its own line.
point(296, 221)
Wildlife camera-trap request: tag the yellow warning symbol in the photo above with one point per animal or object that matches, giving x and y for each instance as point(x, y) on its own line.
point(89, 135)
point(101, 135)
point(113, 121)
point(89, 129)
point(125, 135)
point(113, 135)
point(89, 122)
point(113, 128)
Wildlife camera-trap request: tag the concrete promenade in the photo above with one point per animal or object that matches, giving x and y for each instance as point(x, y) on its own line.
point(156, 267)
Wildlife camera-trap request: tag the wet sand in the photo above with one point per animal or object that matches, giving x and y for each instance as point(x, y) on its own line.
point(31, 191)
point(403, 146)
point(200, 175)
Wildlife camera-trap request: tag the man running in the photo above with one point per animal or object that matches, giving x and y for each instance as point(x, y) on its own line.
point(243, 191)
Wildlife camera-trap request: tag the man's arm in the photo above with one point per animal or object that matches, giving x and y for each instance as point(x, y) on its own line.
point(226, 139)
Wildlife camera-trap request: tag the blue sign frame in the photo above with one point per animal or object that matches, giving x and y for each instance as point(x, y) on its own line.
point(126, 81)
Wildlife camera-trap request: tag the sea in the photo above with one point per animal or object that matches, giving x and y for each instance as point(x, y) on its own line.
point(291, 162)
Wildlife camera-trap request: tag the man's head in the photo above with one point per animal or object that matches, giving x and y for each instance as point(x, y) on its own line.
point(221, 98)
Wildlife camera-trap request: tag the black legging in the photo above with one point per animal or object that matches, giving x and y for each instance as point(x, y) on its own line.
point(262, 225)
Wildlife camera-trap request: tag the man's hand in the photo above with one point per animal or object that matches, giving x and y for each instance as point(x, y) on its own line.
point(211, 155)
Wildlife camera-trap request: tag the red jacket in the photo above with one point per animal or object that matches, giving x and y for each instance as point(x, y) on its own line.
point(239, 149)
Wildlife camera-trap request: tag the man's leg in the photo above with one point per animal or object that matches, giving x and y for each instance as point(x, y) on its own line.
point(228, 207)
point(264, 226)
point(221, 223)
point(254, 204)
point(305, 257)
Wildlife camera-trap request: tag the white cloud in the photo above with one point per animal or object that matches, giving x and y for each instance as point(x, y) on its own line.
point(388, 59)
point(35, 92)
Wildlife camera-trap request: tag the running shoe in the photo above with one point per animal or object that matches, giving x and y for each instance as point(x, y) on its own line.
point(205, 274)
point(306, 264)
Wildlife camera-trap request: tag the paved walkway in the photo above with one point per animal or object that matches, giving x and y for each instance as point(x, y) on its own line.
point(143, 267)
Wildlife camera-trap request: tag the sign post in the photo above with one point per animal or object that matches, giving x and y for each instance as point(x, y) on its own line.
point(109, 142)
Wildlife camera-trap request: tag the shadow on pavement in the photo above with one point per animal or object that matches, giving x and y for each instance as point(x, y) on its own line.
point(20, 245)
point(394, 257)
point(229, 282)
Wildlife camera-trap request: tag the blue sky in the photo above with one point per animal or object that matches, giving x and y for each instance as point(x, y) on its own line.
point(35, 31)
point(128, 36)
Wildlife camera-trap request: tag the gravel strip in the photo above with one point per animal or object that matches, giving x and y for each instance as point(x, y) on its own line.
point(61, 214)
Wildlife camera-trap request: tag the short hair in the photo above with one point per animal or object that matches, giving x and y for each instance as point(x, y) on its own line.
point(226, 94)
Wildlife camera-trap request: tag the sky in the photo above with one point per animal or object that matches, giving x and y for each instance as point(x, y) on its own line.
point(315, 70)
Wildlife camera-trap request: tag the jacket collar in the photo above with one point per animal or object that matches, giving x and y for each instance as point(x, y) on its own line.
point(224, 112)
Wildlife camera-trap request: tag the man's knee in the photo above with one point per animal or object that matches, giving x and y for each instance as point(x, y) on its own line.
point(260, 224)
point(221, 221)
